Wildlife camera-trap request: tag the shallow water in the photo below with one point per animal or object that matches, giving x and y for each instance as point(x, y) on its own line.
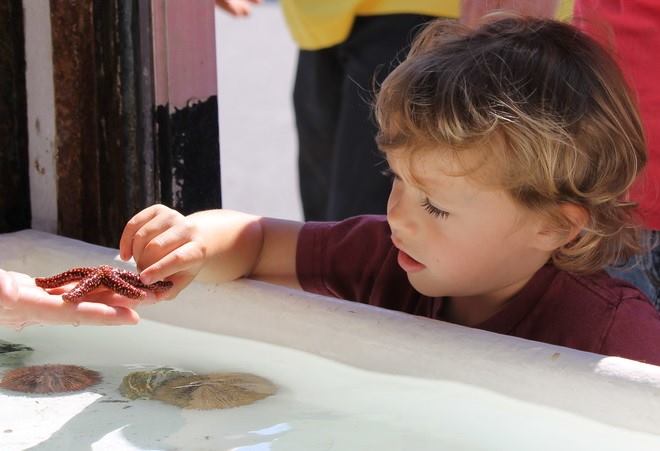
point(320, 404)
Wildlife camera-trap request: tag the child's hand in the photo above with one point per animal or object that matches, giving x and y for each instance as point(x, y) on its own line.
point(237, 8)
point(165, 245)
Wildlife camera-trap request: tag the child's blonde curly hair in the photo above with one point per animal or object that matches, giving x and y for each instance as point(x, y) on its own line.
point(544, 105)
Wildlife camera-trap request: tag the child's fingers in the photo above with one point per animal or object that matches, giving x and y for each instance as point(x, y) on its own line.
point(131, 228)
point(164, 244)
point(142, 226)
point(186, 258)
point(179, 281)
point(151, 231)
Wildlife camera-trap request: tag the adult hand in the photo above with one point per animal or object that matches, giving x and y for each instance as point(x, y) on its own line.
point(472, 11)
point(22, 303)
point(237, 8)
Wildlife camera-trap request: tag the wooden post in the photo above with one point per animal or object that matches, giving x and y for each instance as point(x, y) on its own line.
point(121, 147)
point(187, 103)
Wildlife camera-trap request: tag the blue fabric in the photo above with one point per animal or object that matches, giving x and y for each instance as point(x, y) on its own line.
point(643, 271)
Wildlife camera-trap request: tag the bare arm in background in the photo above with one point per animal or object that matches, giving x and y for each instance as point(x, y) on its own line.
point(237, 8)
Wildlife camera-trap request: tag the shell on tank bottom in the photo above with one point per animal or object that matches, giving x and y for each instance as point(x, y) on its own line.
point(49, 379)
point(214, 391)
point(141, 384)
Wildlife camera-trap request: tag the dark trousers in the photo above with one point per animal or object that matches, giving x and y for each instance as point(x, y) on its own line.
point(340, 167)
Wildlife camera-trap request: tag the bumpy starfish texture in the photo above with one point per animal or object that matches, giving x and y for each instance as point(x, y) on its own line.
point(120, 281)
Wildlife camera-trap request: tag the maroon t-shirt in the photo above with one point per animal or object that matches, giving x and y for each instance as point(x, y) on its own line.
point(355, 259)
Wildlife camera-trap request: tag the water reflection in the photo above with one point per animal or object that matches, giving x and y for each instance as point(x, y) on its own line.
point(263, 446)
point(114, 422)
point(111, 417)
point(273, 430)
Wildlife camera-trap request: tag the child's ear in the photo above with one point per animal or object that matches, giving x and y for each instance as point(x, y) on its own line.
point(553, 236)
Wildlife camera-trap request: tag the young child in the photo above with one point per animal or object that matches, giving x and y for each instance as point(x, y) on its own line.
point(512, 148)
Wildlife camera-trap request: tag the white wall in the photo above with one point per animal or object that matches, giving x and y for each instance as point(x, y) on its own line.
point(40, 115)
point(258, 149)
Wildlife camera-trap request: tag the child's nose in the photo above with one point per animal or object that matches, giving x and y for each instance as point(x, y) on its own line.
point(397, 215)
point(394, 198)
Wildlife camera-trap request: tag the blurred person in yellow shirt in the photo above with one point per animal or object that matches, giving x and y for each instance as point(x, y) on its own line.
point(347, 47)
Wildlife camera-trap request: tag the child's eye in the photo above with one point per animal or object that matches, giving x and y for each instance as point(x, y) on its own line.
point(433, 210)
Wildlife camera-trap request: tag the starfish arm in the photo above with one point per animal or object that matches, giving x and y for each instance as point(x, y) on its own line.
point(118, 285)
point(86, 285)
point(130, 277)
point(123, 282)
point(134, 280)
point(161, 285)
point(63, 278)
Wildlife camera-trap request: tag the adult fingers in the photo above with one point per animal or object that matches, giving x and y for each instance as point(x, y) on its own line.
point(108, 297)
point(93, 313)
point(54, 310)
point(8, 290)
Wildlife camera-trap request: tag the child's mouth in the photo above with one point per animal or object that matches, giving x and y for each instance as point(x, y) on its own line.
point(409, 264)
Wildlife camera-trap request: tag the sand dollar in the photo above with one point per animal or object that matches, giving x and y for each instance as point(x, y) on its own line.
point(141, 384)
point(214, 391)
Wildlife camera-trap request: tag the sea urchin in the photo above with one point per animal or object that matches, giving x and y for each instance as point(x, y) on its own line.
point(49, 379)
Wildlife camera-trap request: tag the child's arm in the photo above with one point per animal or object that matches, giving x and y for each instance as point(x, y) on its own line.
point(213, 245)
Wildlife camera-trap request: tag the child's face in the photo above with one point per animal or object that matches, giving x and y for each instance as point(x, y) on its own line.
point(457, 238)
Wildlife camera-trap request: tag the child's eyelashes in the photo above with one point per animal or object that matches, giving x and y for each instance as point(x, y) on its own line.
point(426, 203)
point(433, 210)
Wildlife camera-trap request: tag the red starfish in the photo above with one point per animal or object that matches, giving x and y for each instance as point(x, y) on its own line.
point(120, 281)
